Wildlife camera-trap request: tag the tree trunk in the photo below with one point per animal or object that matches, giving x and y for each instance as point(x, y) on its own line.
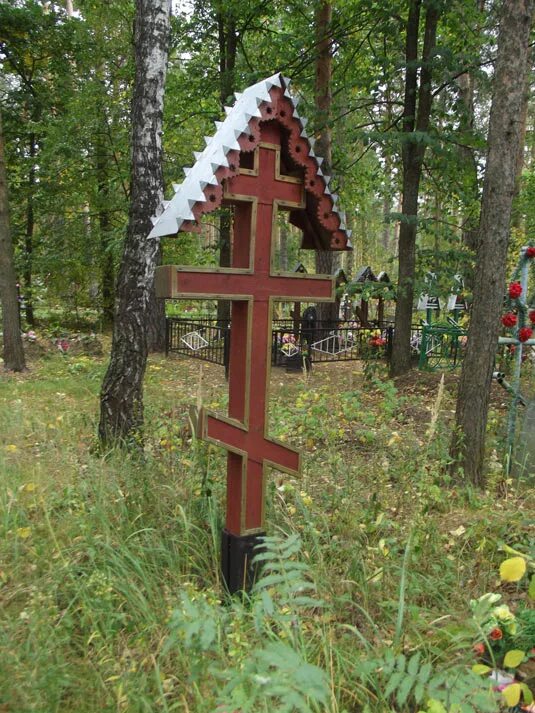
point(388, 189)
point(107, 269)
point(28, 236)
point(223, 306)
point(387, 204)
point(350, 254)
point(107, 276)
point(156, 315)
point(413, 150)
point(228, 42)
point(326, 261)
point(466, 84)
point(516, 218)
point(13, 351)
point(121, 404)
point(468, 443)
point(283, 246)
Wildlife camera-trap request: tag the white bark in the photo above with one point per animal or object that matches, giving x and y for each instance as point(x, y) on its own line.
point(122, 390)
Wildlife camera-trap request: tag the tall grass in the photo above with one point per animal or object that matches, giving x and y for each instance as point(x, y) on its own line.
point(103, 557)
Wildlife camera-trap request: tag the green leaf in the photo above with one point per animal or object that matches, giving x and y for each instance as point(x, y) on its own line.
point(394, 682)
point(527, 695)
point(419, 691)
point(425, 672)
point(481, 669)
point(513, 569)
point(511, 694)
point(414, 664)
point(434, 706)
point(531, 589)
point(513, 658)
point(404, 690)
point(267, 603)
point(401, 661)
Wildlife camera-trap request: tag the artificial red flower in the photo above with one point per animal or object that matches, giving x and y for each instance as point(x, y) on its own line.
point(531, 315)
point(479, 648)
point(524, 334)
point(509, 319)
point(515, 290)
point(530, 252)
point(496, 634)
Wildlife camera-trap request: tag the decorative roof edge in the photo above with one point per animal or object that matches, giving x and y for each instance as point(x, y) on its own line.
point(200, 192)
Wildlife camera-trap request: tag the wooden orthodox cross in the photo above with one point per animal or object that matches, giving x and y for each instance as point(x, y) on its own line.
point(275, 179)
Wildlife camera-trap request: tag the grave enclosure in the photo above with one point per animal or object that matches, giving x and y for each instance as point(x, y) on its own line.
point(259, 162)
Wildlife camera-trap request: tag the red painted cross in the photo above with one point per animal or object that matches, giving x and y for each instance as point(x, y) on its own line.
point(252, 285)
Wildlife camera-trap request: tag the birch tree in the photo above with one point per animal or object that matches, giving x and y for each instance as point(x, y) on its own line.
point(121, 403)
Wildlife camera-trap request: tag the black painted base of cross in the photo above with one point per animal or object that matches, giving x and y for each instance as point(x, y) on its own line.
point(238, 568)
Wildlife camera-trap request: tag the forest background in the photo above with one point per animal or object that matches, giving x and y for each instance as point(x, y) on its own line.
point(111, 585)
point(67, 84)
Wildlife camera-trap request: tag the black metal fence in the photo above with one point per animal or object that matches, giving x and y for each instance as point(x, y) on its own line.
point(327, 342)
point(205, 339)
point(209, 340)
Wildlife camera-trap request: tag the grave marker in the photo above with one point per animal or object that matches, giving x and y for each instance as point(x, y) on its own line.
point(259, 161)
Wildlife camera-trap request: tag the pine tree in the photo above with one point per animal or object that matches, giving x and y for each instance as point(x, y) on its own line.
point(503, 143)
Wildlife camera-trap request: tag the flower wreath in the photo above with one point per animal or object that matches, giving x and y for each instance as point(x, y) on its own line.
point(519, 317)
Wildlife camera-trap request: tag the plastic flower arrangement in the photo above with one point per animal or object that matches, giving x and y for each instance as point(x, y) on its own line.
point(289, 345)
point(377, 342)
point(509, 319)
point(524, 334)
point(63, 345)
point(376, 338)
point(515, 290)
point(500, 623)
point(519, 315)
point(506, 652)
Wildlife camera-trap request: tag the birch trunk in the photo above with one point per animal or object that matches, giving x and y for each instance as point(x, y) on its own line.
point(468, 443)
point(13, 351)
point(121, 404)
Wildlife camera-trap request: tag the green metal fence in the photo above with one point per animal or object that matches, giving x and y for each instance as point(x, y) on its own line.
point(442, 347)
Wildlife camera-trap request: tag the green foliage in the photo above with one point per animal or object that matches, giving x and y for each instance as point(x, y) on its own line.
point(67, 102)
point(412, 682)
point(277, 679)
point(285, 584)
point(275, 676)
